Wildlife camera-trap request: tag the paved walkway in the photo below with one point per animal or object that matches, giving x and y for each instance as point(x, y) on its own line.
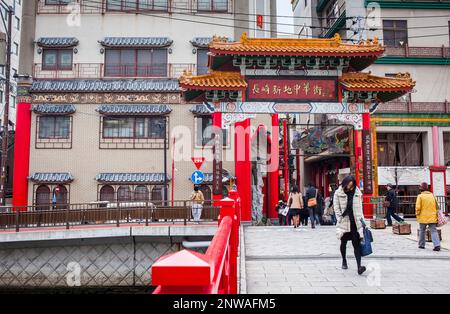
point(287, 260)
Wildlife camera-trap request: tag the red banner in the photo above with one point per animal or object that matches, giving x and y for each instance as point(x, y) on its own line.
point(307, 89)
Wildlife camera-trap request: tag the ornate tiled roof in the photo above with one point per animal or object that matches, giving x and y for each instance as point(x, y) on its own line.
point(213, 80)
point(134, 109)
point(60, 42)
point(151, 178)
point(369, 82)
point(138, 85)
point(297, 47)
point(147, 42)
point(54, 109)
point(202, 109)
point(203, 42)
point(51, 177)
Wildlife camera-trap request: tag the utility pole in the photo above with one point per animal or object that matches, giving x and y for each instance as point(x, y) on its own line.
point(5, 129)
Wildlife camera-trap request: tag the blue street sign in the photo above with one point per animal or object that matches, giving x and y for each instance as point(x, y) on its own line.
point(197, 177)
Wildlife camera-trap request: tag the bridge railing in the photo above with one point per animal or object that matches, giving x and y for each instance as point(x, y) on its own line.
point(102, 213)
point(215, 272)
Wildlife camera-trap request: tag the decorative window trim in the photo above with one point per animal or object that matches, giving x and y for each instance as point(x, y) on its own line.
point(53, 143)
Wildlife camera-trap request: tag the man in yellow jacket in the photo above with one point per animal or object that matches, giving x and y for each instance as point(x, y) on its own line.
point(426, 214)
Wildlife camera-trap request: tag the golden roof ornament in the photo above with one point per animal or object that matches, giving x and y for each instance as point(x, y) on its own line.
point(244, 37)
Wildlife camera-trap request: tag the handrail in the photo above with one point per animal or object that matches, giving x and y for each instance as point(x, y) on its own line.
point(215, 272)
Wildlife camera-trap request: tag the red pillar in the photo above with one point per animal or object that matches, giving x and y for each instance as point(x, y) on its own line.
point(243, 167)
point(273, 168)
point(357, 148)
point(368, 190)
point(286, 160)
point(22, 151)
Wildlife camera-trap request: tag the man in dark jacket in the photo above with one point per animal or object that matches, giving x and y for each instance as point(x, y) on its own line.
point(311, 193)
point(391, 197)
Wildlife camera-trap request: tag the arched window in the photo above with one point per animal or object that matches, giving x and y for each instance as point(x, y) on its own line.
point(141, 193)
point(157, 193)
point(107, 193)
point(206, 190)
point(42, 198)
point(124, 194)
point(60, 196)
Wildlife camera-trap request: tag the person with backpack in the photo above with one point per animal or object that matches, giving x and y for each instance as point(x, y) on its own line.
point(391, 204)
point(427, 216)
point(197, 199)
point(311, 201)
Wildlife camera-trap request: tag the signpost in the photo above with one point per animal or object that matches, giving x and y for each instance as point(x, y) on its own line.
point(197, 177)
point(198, 162)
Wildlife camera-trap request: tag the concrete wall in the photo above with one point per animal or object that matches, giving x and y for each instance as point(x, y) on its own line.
point(89, 258)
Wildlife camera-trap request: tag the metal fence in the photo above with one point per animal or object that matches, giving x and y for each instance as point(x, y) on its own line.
point(102, 213)
point(407, 205)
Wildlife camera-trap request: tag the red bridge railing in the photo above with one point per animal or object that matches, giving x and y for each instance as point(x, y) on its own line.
point(215, 272)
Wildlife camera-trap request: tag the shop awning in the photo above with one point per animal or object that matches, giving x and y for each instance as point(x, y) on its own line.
point(51, 177)
point(141, 42)
point(155, 109)
point(57, 42)
point(131, 178)
point(54, 109)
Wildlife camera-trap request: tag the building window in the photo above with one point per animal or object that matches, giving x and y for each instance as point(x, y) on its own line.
point(205, 132)
point(136, 5)
point(395, 33)
point(202, 61)
point(134, 127)
point(130, 193)
point(107, 193)
point(400, 149)
point(57, 2)
point(446, 136)
point(136, 62)
point(54, 127)
point(51, 197)
point(57, 59)
point(212, 5)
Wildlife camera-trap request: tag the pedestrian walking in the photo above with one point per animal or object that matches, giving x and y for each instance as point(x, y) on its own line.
point(311, 201)
point(348, 208)
point(427, 216)
point(304, 214)
point(197, 199)
point(391, 204)
point(280, 208)
point(295, 205)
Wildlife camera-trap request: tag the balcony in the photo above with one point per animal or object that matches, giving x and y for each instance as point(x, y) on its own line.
point(334, 20)
point(421, 52)
point(414, 107)
point(100, 71)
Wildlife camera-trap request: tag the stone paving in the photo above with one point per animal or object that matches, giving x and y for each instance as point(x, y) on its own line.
point(286, 260)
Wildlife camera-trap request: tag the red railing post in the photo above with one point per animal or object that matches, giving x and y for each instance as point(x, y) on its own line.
point(189, 272)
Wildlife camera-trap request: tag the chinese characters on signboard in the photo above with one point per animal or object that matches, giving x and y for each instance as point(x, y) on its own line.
point(217, 163)
point(292, 89)
point(367, 162)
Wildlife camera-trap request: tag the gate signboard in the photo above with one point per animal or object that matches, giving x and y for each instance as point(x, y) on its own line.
point(285, 89)
point(367, 162)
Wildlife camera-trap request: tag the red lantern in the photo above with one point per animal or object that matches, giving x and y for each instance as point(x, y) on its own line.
point(259, 21)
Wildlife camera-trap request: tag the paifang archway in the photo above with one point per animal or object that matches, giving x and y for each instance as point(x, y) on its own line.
point(292, 76)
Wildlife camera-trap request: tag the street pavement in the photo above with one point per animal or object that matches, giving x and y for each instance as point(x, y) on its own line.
point(287, 260)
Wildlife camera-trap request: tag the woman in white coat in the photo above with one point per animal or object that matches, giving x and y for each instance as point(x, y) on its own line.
point(349, 212)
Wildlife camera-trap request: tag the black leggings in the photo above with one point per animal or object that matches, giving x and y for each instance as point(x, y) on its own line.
point(354, 237)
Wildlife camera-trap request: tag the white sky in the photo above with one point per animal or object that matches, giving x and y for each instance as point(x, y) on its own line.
point(284, 7)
